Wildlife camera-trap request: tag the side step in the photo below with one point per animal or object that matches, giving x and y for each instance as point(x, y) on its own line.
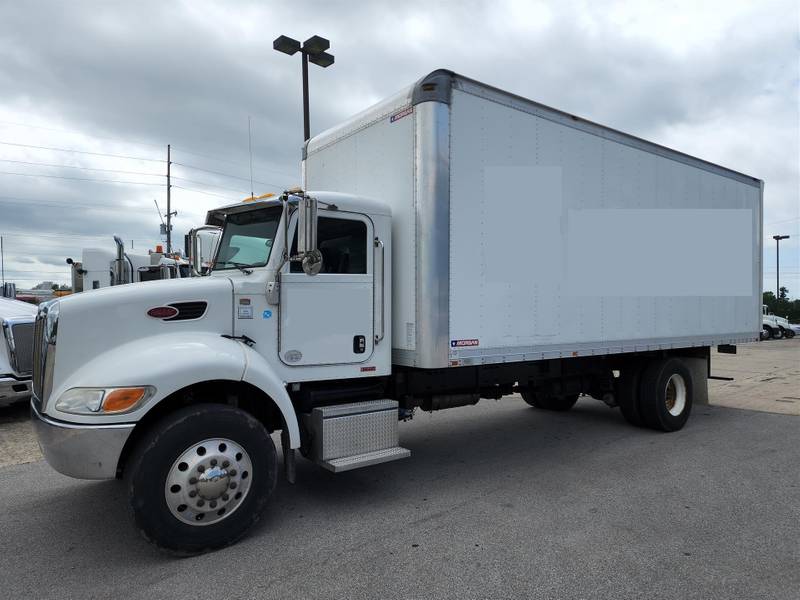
point(350, 436)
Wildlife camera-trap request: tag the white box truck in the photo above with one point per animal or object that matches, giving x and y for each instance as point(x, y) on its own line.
point(469, 244)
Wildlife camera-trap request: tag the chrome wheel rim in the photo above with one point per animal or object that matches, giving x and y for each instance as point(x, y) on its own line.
point(675, 395)
point(208, 482)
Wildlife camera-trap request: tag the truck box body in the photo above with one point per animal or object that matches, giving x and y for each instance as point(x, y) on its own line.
point(523, 233)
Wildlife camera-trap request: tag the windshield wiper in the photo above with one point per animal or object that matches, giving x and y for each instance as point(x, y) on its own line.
point(244, 268)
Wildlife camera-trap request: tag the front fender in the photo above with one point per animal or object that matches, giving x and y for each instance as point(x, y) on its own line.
point(169, 362)
point(259, 373)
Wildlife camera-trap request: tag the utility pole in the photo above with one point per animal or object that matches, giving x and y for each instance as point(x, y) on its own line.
point(2, 263)
point(169, 204)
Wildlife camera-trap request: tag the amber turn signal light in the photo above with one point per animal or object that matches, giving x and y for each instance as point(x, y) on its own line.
point(122, 399)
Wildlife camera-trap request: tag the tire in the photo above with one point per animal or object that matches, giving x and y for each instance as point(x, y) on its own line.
point(176, 505)
point(557, 403)
point(789, 333)
point(666, 392)
point(766, 333)
point(627, 389)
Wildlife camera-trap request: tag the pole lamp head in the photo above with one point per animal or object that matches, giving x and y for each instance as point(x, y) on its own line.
point(286, 45)
point(778, 238)
point(323, 59)
point(315, 44)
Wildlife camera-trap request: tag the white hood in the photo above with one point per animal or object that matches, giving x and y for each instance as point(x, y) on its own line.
point(14, 308)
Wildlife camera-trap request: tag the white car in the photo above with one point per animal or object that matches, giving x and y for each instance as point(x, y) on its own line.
point(16, 350)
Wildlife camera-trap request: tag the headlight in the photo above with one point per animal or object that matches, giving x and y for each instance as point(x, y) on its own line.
point(88, 401)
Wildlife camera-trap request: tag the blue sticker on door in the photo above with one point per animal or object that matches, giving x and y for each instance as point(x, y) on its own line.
point(266, 314)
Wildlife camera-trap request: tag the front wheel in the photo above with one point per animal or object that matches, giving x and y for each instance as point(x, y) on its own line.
point(200, 478)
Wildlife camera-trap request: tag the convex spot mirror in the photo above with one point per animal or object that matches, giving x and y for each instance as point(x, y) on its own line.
point(308, 253)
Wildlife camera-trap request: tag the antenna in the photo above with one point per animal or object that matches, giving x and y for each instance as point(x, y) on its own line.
point(250, 147)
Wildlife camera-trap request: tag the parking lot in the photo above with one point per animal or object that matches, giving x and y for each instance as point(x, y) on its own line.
point(497, 500)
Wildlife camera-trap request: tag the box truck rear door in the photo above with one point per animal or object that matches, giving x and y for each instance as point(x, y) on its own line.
point(327, 318)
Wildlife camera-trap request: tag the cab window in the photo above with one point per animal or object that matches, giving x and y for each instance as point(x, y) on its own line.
point(343, 244)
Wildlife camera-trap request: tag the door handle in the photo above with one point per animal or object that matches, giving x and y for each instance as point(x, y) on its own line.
point(379, 328)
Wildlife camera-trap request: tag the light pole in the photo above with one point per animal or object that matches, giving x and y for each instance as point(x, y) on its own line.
point(313, 49)
point(778, 239)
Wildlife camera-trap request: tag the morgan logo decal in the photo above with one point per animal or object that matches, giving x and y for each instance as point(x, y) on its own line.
point(399, 115)
point(463, 343)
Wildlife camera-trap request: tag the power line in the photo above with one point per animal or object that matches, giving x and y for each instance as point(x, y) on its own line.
point(209, 184)
point(217, 158)
point(82, 178)
point(784, 221)
point(83, 152)
point(229, 175)
point(34, 202)
point(202, 192)
point(55, 234)
point(38, 164)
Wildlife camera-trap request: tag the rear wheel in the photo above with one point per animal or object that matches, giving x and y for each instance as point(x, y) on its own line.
point(766, 333)
point(666, 392)
point(544, 402)
point(787, 333)
point(200, 478)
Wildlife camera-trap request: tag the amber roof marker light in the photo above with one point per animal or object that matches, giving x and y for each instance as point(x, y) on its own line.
point(314, 50)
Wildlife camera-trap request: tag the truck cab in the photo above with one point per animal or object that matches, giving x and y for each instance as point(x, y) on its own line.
point(773, 326)
point(248, 345)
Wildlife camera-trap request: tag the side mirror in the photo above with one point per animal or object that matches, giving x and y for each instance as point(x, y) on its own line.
point(194, 244)
point(310, 256)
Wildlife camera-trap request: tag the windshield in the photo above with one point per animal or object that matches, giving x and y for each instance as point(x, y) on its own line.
point(247, 238)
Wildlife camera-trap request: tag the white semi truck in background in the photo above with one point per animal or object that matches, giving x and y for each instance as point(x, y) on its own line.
point(16, 350)
point(469, 244)
point(773, 326)
point(101, 267)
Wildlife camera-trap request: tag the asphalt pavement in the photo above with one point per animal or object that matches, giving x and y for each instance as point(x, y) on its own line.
point(497, 501)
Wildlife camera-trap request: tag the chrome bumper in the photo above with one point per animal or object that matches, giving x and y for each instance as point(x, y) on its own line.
point(80, 451)
point(13, 390)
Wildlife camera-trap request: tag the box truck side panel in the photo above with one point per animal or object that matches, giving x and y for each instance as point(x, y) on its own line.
point(373, 156)
point(565, 240)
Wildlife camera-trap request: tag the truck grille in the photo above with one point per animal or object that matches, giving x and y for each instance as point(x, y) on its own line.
point(23, 345)
point(43, 346)
point(39, 347)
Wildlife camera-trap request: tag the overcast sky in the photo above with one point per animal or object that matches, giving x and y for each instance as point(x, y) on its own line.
point(717, 79)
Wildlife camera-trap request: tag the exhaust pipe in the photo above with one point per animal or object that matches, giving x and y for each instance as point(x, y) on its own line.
point(119, 263)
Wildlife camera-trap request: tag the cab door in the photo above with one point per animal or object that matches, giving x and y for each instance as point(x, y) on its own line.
point(327, 319)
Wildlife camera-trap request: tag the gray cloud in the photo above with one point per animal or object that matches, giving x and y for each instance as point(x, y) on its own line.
point(715, 79)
